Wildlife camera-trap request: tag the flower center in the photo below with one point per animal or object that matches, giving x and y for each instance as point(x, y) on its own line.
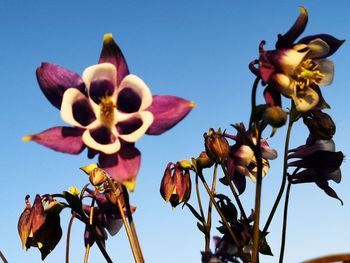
point(308, 73)
point(107, 107)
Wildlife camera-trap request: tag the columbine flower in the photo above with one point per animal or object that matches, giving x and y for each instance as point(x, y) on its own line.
point(297, 70)
point(175, 186)
point(109, 110)
point(216, 145)
point(242, 162)
point(40, 227)
point(319, 163)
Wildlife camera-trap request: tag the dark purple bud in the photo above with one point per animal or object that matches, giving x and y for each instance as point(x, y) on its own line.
point(320, 125)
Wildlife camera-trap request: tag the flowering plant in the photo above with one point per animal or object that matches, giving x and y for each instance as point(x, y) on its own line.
point(108, 110)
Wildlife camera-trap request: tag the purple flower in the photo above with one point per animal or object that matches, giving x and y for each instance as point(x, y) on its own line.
point(296, 70)
point(108, 109)
point(318, 162)
point(241, 161)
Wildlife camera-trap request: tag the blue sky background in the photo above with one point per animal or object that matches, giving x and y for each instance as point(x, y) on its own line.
point(194, 49)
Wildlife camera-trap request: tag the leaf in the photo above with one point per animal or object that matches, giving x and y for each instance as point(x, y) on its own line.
point(74, 202)
point(201, 228)
point(194, 212)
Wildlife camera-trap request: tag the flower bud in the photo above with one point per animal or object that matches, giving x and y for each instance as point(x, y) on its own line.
point(97, 176)
point(176, 185)
point(216, 146)
point(184, 164)
point(275, 116)
point(320, 125)
point(203, 161)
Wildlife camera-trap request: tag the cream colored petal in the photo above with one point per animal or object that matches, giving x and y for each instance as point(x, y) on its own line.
point(146, 117)
point(291, 58)
point(285, 84)
point(318, 48)
point(306, 101)
point(105, 148)
point(98, 72)
point(70, 96)
point(326, 68)
point(244, 155)
point(139, 87)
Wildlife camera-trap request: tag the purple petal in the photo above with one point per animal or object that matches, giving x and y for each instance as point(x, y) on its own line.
point(272, 97)
point(331, 41)
point(129, 126)
point(111, 53)
point(124, 165)
point(82, 112)
point(102, 135)
point(128, 101)
point(167, 112)
point(61, 139)
point(54, 80)
point(99, 89)
point(266, 69)
point(323, 184)
point(286, 40)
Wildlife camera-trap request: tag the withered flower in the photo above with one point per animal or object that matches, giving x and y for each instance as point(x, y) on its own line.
point(176, 185)
point(216, 146)
point(40, 227)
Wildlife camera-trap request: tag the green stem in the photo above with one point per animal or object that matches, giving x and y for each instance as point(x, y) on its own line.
point(234, 192)
point(256, 236)
point(3, 257)
point(207, 239)
point(210, 206)
point(68, 236)
point(284, 177)
point(132, 224)
point(222, 216)
point(126, 225)
point(284, 229)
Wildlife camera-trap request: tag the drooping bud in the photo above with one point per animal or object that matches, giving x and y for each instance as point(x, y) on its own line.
point(184, 164)
point(203, 161)
point(320, 125)
point(216, 146)
point(275, 116)
point(39, 227)
point(176, 185)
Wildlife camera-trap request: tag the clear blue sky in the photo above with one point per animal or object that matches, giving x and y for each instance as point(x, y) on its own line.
point(194, 49)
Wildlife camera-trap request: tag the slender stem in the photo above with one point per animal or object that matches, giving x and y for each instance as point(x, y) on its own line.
point(199, 198)
point(132, 224)
point(253, 101)
point(126, 225)
point(68, 236)
point(226, 224)
point(234, 192)
point(333, 258)
point(87, 252)
point(284, 229)
point(207, 239)
point(256, 236)
point(284, 178)
point(3, 257)
point(210, 206)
